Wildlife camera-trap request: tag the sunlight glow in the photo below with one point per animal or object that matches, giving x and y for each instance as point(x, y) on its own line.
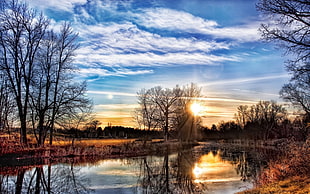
point(212, 167)
point(196, 108)
point(110, 96)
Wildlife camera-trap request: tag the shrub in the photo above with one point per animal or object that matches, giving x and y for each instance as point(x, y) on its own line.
point(293, 163)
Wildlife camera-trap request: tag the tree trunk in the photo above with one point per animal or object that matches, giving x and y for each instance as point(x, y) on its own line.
point(23, 130)
point(38, 180)
point(19, 181)
point(166, 125)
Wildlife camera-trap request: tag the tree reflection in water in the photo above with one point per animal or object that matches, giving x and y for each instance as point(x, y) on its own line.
point(46, 179)
point(193, 171)
point(173, 174)
point(187, 171)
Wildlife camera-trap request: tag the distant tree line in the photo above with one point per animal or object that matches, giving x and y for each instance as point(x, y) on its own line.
point(262, 121)
point(109, 132)
point(37, 83)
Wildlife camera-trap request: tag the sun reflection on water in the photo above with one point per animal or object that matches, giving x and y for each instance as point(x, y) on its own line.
point(212, 168)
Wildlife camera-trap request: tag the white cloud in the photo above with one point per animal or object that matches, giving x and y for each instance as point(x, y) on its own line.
point(244, 80)
point(127, 37)
point(116, 72)
point(152, 59)
point(162, 18)
point(64, 5)
point(124, 71)
point(94, 71)
point(126, 45)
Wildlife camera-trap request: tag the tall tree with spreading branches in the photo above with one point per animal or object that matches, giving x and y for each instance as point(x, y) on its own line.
point(37, 62)
point(288, 25)
point(21, 33)
point(167, 108)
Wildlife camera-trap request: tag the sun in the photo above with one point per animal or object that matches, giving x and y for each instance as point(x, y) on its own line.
point(196, 108)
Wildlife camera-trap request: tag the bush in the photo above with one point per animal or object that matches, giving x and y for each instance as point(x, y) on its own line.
point(293, 163)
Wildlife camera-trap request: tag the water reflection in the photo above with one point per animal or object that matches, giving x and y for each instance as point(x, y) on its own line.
point(192, 172)
point(61, 178)
point(199, 170)
point(172, 174)
point(212, 168)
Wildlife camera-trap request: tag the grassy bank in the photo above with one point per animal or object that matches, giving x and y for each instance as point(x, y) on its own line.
point(290, 173)
point(12, 150)
point(296, 185)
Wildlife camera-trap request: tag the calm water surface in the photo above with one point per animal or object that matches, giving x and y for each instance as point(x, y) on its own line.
point(203, 169)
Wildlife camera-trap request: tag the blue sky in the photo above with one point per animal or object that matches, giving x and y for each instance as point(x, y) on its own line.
point(133, 44)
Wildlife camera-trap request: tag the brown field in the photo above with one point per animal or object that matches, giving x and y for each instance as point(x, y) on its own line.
point(93, 142)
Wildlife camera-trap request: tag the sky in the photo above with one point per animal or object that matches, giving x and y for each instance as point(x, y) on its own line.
point(127, 45)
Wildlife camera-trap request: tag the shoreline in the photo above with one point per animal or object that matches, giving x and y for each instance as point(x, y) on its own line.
point(121, 148)
point(80, 153)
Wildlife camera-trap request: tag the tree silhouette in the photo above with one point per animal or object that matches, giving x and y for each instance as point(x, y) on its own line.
point(266, 115)
point(289, 28)
point(21, 32)
point(37, 62)
point(167, 109)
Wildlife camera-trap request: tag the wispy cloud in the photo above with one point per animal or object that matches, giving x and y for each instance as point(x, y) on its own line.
point(114, 37)
point(66, 5)
point(117, 106)
point(85, 72)
point(127, 37)
point(217, 99)
point(153, 59)
point(162, 18)
point(127, 45)
point(112, 93)
point(244, 80)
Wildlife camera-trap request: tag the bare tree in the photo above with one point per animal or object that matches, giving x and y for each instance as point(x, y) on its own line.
point(185, 122)
point(38, 65)
point(266, 114)
point(241, 115)
point(157, 107)
point(165, 100)
point(147, 113)
point(166, 108)
point(298, 94)
point(289, 27)
point(55, 78)
point(6, 105)
point(21, 32)
point(72, 105)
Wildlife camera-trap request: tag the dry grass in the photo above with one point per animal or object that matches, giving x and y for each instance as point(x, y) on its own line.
point(68, 147)
point(294, 163)
point(296, 185)
point(289, 174)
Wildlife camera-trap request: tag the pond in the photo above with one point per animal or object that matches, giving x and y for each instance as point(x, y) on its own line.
point(202, 169)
